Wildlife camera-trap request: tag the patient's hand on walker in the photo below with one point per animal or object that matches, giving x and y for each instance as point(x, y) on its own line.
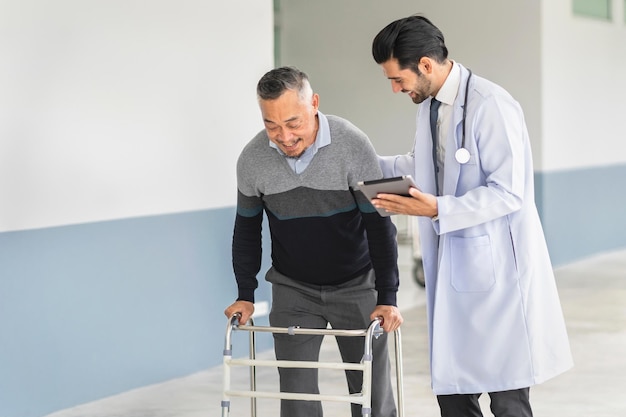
point(390, 316)
point(244, 308)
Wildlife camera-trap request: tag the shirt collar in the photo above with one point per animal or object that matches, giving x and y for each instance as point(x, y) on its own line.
point(448, 91)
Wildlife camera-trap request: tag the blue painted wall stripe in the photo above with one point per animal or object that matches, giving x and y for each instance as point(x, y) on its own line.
point(91, 310)
point(582, 211)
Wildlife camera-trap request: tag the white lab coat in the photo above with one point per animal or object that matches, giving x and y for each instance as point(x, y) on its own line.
point(494, 315)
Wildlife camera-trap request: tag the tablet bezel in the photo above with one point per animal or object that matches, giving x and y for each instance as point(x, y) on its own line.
point(394, 185)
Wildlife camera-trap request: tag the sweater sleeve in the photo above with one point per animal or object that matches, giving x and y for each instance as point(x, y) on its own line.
point(381, 232)
point(383, 248)
point(246, 245)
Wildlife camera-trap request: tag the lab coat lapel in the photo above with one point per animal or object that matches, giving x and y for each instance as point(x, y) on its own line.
point(453, 142)
point(454, 139)
point(424, 169)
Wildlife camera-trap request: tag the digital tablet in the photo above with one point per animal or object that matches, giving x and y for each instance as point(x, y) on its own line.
point(394, 185)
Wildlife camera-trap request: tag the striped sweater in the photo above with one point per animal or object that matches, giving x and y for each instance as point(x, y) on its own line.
point(323, 230)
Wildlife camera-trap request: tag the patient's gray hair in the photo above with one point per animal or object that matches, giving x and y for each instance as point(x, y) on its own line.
point(275, 82)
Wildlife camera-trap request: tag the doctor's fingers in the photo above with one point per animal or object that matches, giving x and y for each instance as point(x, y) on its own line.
point(390, 197)
point(416, 193)
point(394, 203)
point(407, 205)
point(424, 198)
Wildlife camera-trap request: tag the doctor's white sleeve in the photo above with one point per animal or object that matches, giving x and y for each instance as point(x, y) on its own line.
point(395, 166)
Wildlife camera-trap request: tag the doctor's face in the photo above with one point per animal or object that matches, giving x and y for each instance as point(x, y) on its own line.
point(417, 86)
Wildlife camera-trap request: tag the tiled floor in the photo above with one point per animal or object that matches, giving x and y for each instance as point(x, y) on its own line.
point(593, 293)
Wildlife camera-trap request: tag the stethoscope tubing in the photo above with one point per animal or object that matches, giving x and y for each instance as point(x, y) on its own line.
point(462, 155)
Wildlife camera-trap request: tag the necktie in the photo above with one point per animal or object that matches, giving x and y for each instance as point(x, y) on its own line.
point(434, 113)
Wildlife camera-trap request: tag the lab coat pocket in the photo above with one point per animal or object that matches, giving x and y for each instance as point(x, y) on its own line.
point(471, 264)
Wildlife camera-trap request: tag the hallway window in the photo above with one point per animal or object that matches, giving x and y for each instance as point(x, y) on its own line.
point(600, 9)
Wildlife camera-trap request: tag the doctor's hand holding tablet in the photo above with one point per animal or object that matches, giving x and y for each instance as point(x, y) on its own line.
point(399, 195)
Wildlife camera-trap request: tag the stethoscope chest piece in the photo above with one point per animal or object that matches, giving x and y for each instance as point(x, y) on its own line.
point(462, 156)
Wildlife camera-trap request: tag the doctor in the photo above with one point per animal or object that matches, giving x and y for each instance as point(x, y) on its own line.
point(495, 320)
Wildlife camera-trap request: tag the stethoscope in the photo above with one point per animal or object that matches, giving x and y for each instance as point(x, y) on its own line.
point(462, 155)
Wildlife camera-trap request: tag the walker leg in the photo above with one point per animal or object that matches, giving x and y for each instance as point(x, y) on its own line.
point(252, 370)
point(399, 378)
point(227, 355)
point(225, 408)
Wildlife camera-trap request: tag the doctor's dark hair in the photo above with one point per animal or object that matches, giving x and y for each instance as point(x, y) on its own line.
point(408, 40)
point(277, 81)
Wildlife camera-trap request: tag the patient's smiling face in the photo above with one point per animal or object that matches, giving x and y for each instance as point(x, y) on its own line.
point(291, 121)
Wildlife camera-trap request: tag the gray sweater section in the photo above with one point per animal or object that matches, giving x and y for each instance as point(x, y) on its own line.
point(350, 158)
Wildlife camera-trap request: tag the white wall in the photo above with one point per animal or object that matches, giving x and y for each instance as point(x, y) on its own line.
point(566, 71)
point(123, 108)
point(583, 63)
point(496, 39)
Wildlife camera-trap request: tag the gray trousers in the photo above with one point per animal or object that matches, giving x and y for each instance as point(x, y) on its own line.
point(513, 403)
point(344, 306)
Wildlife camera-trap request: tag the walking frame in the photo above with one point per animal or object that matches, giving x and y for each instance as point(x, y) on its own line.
point(364, 397)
